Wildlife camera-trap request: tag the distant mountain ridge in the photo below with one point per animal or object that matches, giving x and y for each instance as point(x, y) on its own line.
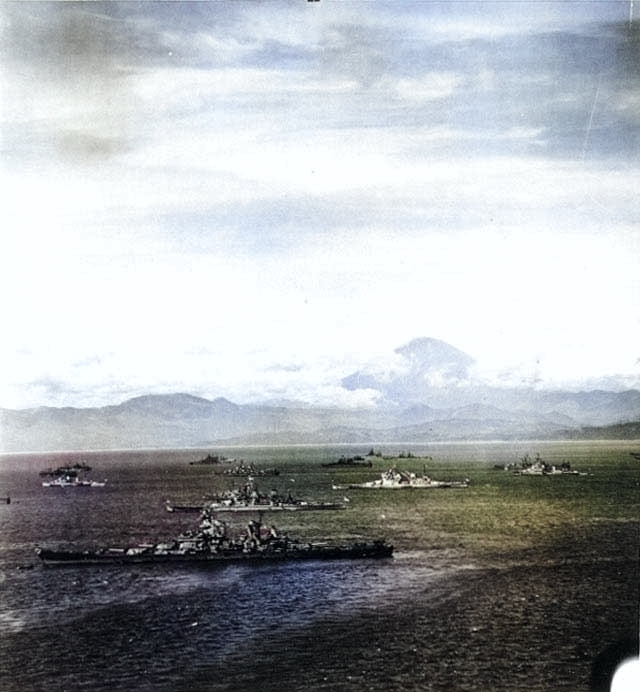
point(424, 392)
point(183, 421)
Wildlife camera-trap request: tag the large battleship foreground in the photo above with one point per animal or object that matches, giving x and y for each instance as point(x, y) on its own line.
point(211, 544)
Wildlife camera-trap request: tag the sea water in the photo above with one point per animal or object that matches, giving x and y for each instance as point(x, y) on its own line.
point(427, 619)
point(161, 627)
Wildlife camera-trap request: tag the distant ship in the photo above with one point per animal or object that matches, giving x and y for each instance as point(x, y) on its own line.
point(210, 544)
point(349, 462)
point(66, 470)
point(539, 467)
point(69, 477)
point(242, 469)
point(228, 506)
point(210, 460)
point(394, 479)
point(72, 482)
point(248, 498)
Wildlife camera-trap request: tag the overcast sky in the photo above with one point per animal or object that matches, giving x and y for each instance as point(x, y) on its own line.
point(256, 199)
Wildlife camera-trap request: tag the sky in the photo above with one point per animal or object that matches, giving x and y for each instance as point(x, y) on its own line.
point(257, 199)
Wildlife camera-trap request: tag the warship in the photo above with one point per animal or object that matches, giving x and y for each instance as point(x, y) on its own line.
point(212, 543)
point(247, 498)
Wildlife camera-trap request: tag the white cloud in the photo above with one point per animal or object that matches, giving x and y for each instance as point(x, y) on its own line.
point(429, 87)
point(250, 210)
point(552, 301)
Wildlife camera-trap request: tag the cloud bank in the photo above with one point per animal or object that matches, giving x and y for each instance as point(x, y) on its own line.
point(253, 199)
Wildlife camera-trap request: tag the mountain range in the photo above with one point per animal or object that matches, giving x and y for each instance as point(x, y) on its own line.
point(429, 395)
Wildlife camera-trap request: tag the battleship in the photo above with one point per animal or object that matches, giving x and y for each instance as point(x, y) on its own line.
point(211, 543)
point(247, 498)
point(394, 479)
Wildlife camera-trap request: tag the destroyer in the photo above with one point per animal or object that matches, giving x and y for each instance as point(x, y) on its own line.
point(210, 543)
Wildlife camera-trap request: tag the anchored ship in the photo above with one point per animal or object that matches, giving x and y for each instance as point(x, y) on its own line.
point(242, 469)
point(211, 543)
point(538, 467)
point(72, 482)
point(394, 479)
point(247, 498)
point(350, 462)
point(70, 477)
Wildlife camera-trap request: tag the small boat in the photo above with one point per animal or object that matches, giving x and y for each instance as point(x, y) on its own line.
point(210, 544)
point(394, 479)
point(187, 509)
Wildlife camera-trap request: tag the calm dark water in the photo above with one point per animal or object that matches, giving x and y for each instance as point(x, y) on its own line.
point(156, 627)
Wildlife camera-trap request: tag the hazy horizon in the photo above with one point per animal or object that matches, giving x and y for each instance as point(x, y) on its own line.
point(256, 201)
point(423, 372)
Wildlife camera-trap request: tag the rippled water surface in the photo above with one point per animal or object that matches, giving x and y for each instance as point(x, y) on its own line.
point(152, 626)
point(350, 625)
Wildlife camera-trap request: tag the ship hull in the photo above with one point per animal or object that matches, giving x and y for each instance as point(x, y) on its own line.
point(311, 507)
point(358, 551)
point(407, 486)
